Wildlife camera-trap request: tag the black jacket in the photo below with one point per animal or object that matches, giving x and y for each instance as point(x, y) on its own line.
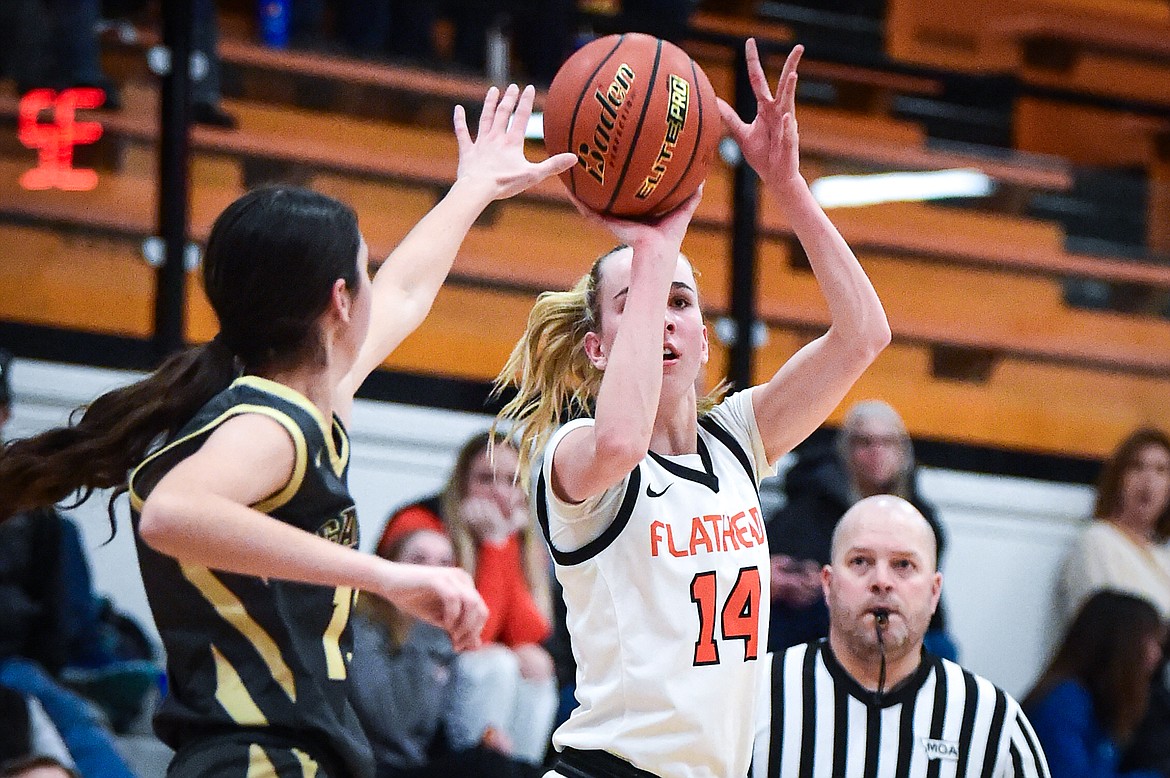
point(30, 588)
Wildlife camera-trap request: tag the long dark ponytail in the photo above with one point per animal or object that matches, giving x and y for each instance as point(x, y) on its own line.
point(271, 261)
point(112, 434)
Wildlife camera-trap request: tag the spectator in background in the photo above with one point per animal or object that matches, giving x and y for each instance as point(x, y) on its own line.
point(1092, 695)
point(50, 625)
point(873, 455)
point(50, 617)
point(206, 94)
point(30, 746)
point(1125, 547)
point(406, 685)
point(1150, 747)
point(482, 508)
point(53, 44)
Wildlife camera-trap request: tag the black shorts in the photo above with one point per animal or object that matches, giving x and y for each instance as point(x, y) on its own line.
point(572, 763)
point(253, 753)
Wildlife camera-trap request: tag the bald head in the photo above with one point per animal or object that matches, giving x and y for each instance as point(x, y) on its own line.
point(891, 515)
point(882, 586)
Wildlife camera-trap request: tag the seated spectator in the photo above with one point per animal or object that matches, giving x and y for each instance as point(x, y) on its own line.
point(1150, 747)
point(51, 616)
point(30, 746)
point(50, 623)
point(406, 685)
point(1092, 695)
point(511, 680)
point(1125, 547)
point(873, 455)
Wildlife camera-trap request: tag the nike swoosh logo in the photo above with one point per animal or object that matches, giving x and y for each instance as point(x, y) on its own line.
point(651, 493)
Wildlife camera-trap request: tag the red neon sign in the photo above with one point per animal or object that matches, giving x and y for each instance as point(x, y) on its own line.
point(55, 140)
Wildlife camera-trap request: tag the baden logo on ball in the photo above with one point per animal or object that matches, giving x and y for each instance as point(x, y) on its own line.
point(640, 115)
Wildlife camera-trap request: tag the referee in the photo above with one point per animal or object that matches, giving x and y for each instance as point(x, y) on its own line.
point(869, 702)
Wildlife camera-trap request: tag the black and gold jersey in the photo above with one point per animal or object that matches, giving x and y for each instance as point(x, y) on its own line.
point(245, 652)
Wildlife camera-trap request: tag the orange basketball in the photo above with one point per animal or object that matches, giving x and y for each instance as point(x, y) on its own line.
point(641, 117)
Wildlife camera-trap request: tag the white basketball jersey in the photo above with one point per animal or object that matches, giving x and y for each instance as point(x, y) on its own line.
point(667, 600)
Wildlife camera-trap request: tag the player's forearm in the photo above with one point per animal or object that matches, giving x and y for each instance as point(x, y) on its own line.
point(627, 402)
point(853, 303)
point(406, 285)
point(417, 267)
point(211, 531)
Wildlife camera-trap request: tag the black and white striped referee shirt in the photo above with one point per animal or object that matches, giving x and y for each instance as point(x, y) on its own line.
point(942, 722)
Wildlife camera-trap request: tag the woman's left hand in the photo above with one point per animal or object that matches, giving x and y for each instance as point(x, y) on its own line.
point(495, 159)
point(770, 144)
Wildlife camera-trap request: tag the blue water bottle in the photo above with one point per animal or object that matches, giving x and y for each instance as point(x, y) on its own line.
point(274, 22)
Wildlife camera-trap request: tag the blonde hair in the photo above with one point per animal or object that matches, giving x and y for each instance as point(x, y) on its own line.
point(553, 377)
point(534, 557)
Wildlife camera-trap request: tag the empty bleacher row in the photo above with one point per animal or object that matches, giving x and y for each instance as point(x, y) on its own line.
point(1115, 48)
point(1093, 78)
point(986, 351)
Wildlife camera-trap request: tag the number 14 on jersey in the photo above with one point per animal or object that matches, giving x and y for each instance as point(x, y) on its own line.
point(739, 618)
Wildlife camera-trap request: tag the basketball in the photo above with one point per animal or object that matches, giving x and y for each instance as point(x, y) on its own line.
point(641, 117)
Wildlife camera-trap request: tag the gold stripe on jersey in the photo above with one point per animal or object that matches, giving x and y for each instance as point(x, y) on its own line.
point(309, 768)
point(259, 765)
point(342, 455)
point(229, 607)
point(334, 661)
point(268, 504)
point(338, 459)
point(231, 693)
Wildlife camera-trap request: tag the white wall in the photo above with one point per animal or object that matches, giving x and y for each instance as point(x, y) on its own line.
point(1006, 535)
point(1006, 538)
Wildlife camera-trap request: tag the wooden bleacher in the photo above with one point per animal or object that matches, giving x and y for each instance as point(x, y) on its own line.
point(826, 132)
point(983, 283)
point(1096, 77)
point(1025, 404)
point(374, 150)
point(1112, 48)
